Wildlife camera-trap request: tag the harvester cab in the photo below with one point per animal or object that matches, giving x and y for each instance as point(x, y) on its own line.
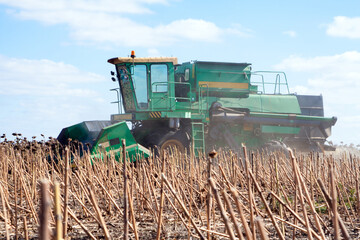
point(146, 83)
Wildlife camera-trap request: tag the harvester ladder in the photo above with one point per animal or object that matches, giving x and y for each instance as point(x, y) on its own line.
point(198, 141)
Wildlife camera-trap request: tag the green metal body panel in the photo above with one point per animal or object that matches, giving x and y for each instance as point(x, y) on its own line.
point(103, 138)
point(85, 132)
point(223, 79)
point(109, 142)
point(264, 103)
point(220, 79)
point(280, 130)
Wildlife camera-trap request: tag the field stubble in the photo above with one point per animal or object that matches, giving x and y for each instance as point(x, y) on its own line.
point(230, 196)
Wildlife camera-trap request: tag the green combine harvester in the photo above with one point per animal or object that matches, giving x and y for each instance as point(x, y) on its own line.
point(199, 106)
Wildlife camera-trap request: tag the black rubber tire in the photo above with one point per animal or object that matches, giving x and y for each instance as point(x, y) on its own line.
point(179, 140)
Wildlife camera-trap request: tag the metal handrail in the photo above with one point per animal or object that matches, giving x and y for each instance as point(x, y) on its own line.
point(201, 96)
point(278, 83)
point(156, 84)
point(119, 100)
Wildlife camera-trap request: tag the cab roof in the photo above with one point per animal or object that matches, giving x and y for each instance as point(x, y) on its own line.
point(118, 60)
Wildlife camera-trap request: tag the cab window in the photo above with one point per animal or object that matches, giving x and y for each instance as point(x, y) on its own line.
point(140, 86)
point(159, 77)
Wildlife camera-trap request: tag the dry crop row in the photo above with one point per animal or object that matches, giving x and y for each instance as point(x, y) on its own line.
point(221, 196)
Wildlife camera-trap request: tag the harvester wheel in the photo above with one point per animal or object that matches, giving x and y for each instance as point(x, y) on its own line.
point(173, 141)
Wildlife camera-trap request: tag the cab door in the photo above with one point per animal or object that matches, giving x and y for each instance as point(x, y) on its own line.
point(141, 88)
point(162, 87)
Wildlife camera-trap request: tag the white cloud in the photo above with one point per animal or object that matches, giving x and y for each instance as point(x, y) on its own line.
point(344, 27)
point(334, 76)
point(43, 78)
point(347, 61)
point(239, 30)
point(193, 29)
point(153, 52)
point(108, 21)
point(110, 6)
point(300, 90)
point(290, 33)
point(43, 96)
point(337, 78)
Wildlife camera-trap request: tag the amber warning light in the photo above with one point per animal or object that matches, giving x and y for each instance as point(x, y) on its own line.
point(132, 54)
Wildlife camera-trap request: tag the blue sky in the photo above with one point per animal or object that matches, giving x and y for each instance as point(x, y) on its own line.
point(53, 69)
